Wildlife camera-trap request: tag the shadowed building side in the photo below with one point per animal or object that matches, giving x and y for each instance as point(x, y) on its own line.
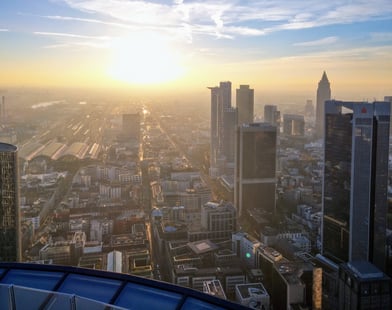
point(10, 244)
point(355, 181)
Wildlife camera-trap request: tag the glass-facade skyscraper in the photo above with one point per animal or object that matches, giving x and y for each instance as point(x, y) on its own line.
point(355, 181)
point(255, 169)
point(245, 104)
point(223, 123)
point(10, 247)
point(323, 94)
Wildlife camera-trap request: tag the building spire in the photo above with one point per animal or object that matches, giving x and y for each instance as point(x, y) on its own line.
point(324, 77)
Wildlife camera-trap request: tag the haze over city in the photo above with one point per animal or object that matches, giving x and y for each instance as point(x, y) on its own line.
point(180, 47)
point(191, 154)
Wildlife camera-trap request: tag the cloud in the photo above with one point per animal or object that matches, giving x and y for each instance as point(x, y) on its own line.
point(73, 40)
point(320, 42)
point(3, 30)
point(381, 36)
point(226, 19)
point(69, 35)
point(87, 20)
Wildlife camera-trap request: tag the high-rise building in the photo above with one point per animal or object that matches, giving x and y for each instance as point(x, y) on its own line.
point(223, 123)
point(355, 181)
point(214, 126)
point(309, 108)
point(10, 241)
point(255, 167)
point(271, 114)
point(245, 104)
point(389, 99)
point(323, 94)
point(363, 286)
point(293, 125)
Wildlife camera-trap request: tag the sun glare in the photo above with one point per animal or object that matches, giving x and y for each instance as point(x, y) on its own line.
point(144, 59)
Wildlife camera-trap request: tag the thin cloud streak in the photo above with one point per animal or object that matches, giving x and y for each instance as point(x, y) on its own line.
point(69, 35)
point(68, 40)
point(89, 20)
point(320, 42)
point(4, 30)
point(381, 36)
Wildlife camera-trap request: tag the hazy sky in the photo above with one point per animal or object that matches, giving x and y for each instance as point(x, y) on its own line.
point(275, 46)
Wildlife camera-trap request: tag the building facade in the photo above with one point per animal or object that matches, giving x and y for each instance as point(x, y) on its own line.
point(323, 94)
point(271, 114)
point(10, 241)
point(293, 125)
point(245, 104)
point(363, 286)
point(223, 123)
point(255, 167)
point(355, 181)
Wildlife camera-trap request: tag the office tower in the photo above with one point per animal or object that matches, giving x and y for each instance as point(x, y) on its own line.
point(363, 286)
point(309, 108)
point(389, 99)
point(271, 115)
point(355, 181)
point(223, 123)
point(255, 167)
point(228, 138)
point(10, 241)
point(214, 126)
point(131, 126)
point(293, 125)
point(323, 94)
point(245, 104)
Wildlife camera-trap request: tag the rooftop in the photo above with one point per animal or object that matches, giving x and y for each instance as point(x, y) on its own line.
point(34, 286)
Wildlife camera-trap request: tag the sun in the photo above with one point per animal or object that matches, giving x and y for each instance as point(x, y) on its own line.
point(144, 58)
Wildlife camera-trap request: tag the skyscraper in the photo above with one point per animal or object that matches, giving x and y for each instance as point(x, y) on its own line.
point(245, 104)
point(323, 94)
point(271, 114)
point(293, 125)
point(255, 167)
point(223, 123)
point(355, 181)
point(214, 127)
point(10, 246)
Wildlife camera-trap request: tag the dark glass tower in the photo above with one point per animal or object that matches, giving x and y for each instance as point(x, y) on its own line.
point(255, 169)
point(355, 181)
point(323, 94)
point(10, 247)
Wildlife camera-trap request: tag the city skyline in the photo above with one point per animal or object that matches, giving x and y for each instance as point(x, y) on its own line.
point(167, 45)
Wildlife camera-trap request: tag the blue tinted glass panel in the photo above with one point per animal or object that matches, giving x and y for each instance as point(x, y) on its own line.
point(44, 280)
point(143, 297)
point(83, 303)
point(26, 298)
point(100, 289)
point(196, 304)
point(1, 272)
point(4, 297)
